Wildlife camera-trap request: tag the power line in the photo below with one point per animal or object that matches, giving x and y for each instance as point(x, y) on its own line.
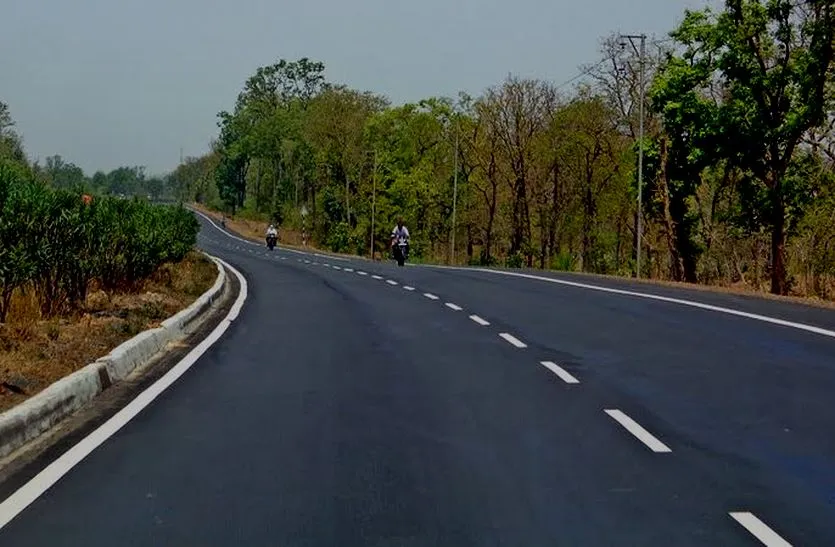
point(581, 74)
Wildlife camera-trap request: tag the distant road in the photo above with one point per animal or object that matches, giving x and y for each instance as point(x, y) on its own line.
point(357, 403)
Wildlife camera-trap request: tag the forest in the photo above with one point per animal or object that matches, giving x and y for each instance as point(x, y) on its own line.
point(737, 174)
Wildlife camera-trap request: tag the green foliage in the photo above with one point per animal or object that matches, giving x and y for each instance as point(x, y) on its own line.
point(54, 241)
point(735, 142)
point(751, 81)
point(515, 260)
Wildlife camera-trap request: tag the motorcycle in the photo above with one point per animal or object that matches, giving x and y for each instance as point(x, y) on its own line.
point(271, 241)
point(401, 252)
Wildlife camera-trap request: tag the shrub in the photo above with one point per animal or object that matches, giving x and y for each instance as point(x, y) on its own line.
point(54, 241)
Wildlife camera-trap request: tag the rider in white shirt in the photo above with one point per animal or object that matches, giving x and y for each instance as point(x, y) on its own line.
point(400, 234)
point(271, 231)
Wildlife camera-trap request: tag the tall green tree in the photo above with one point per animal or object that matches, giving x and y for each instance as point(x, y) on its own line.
point(774, 59)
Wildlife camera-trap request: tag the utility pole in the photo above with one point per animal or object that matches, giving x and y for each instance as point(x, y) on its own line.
point(454, 195)
point(641, 56)
point(180, 174)
point(373, 203)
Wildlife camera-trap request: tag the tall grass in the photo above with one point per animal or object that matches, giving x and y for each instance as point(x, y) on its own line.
point(54, 243)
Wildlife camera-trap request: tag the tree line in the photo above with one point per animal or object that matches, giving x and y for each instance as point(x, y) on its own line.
point(124, 181)
point(58, 240)
point(738, 170)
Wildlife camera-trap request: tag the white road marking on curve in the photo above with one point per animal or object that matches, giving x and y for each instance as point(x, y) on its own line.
point(563, 374)
point(512, 340)
point(759, 529)
point(638, 431)
point(649, 296)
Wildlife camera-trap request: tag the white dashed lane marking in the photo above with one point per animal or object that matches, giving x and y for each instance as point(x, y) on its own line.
point(430, 296)
point(377, 277)
point(454, 307)
point(480, 321)
point(362, 273)
point(390, 282)
point(349, 270)
point(564, 375)
point(638, 431)
point(408, 288)
point(759, 529)
point(512, 340)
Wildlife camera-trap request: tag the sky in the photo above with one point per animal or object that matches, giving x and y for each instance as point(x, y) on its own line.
point(106, 83)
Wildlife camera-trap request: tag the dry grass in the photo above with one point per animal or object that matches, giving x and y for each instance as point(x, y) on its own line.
point(36, 353)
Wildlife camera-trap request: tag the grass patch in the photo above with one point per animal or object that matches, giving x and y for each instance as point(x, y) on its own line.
point(34, 353)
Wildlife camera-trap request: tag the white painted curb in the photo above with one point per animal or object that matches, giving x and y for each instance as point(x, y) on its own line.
point(41, 412)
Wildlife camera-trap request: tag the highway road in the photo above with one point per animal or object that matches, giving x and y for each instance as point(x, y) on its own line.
point(358, 403)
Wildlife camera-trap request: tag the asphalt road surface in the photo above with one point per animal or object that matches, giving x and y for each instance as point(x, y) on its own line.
point(358, 403)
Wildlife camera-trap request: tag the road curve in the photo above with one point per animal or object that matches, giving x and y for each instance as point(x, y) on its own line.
point(355, 403)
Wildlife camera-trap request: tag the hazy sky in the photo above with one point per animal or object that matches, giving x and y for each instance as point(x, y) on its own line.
point(106, 83)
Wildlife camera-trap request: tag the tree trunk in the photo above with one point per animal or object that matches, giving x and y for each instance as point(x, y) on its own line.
point(555, 213)
point(676, 263)
point(779, 283)
point(588, 235)
point(518, 217)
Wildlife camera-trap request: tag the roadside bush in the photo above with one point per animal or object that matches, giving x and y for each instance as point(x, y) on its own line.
point(54, 242)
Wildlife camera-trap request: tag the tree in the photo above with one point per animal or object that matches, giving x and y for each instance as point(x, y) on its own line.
point(62, 174)
point(591, 154)
point(774, 59)
point(6, 121)
point(519, 113)
point(11, 146)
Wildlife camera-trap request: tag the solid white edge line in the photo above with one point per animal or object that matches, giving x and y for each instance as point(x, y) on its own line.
point(513, 340)
point(638, 431)
point(408, 288)
point(668, 299)
point(454, 307)
point(391, 282)
point(563, 374)
point(430, 296)
point(52, 473)
point(759, 529)
point(248, 242)
point(480, 321)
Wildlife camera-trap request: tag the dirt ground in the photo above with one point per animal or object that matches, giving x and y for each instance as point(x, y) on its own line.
point(34, 353)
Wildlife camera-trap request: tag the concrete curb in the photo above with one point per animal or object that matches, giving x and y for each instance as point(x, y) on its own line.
point(41, 412)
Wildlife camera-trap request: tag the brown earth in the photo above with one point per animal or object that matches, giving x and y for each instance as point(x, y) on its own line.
point(34, 353)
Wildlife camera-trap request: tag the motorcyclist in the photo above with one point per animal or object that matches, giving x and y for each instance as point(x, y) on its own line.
point(400, 235)
point(272, 232)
